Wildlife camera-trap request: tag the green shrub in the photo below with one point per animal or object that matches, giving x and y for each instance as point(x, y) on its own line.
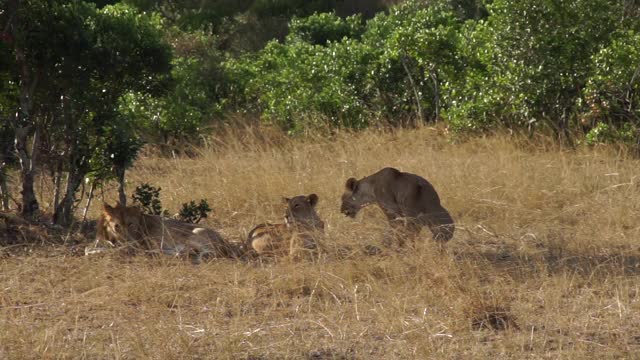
point(533, 58)
point(320, 29)
point(335, 72)
point(193, 213)
point(612, 94)
point(604, 133)
point(148, 198)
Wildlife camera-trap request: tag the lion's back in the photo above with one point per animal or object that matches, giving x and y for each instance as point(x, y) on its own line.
point(407, 191)
point(170, 232)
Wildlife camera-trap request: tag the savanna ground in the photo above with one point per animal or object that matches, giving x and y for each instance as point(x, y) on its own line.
point(545, 262)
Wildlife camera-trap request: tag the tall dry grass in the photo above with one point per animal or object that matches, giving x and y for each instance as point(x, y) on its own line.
point(545, 262)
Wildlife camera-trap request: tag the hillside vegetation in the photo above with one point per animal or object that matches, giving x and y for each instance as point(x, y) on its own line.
point(83, 84)
point(545, 261)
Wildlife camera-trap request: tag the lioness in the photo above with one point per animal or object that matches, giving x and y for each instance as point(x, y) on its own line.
point(122, 224)
point(299, 232)
point(408, 200)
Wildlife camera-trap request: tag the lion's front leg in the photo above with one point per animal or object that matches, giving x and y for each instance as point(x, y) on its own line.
point(393, 232)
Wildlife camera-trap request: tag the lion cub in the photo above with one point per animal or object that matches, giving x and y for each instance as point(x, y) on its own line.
point(298, 234)
point(121, 224)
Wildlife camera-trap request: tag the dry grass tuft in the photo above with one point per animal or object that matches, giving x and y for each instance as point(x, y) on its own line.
point(492, 317)
point(545, 262)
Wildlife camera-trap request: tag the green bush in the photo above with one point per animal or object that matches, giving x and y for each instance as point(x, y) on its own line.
point(612, 94)
point(415, 60)
point(320, 29)
point(193, 213)
point(534, 59)
point(299, 85)
point(333, 71)
point(194, 99)
point(148, 198)
point(605, 133)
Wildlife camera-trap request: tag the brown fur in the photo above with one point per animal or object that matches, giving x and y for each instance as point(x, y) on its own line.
point(299, 233)
point(130, 225)
point(408, 200)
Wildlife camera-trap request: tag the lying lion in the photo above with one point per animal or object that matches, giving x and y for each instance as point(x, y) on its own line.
point(299, 232)
point(130, 225)
point(408, 200)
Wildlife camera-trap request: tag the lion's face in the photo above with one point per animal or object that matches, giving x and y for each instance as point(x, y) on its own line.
point(355, 197)
point(302, 210)
point(122, 223)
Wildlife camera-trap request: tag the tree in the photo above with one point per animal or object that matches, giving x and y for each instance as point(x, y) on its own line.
point(25, 72)
point(84, 60)
point(195, 97)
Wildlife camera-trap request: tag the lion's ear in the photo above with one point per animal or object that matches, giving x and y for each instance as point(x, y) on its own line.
point(351, 184)
point(107, 208)
point(313, 199)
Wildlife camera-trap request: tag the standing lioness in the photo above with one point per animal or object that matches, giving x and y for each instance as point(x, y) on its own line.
point(297, 235)
point(155, 233)
point(408, 200)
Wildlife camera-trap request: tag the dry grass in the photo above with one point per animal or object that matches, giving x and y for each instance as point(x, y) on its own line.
point(545, 262)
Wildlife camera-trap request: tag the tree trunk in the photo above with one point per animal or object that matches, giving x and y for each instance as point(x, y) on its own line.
point(4, 189)
point(566, 137)
point(27, 171)
point(57, 179)
point(122, 196)
point(436, 91)
point(86, 207)
point(63, 214)
point(23, 122)
point(415, 89)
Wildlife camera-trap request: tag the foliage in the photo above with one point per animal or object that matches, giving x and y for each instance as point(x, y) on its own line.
point(300, 85)
point(469, 9)
point(193, 15)
point(612, 93)
point(193, 213)
point(148, 198)
point(320, 29)
point(605, 133)
point(477, 65)
point(520, 64)
point(192, 102)
point(534, 58)
point(266, 8)
point(415, 59)
point(116, 145)
point(332, 71)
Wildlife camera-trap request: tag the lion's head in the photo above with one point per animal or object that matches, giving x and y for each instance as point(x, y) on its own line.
point(301, 210)
point(120, 223)
point(357, 195)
